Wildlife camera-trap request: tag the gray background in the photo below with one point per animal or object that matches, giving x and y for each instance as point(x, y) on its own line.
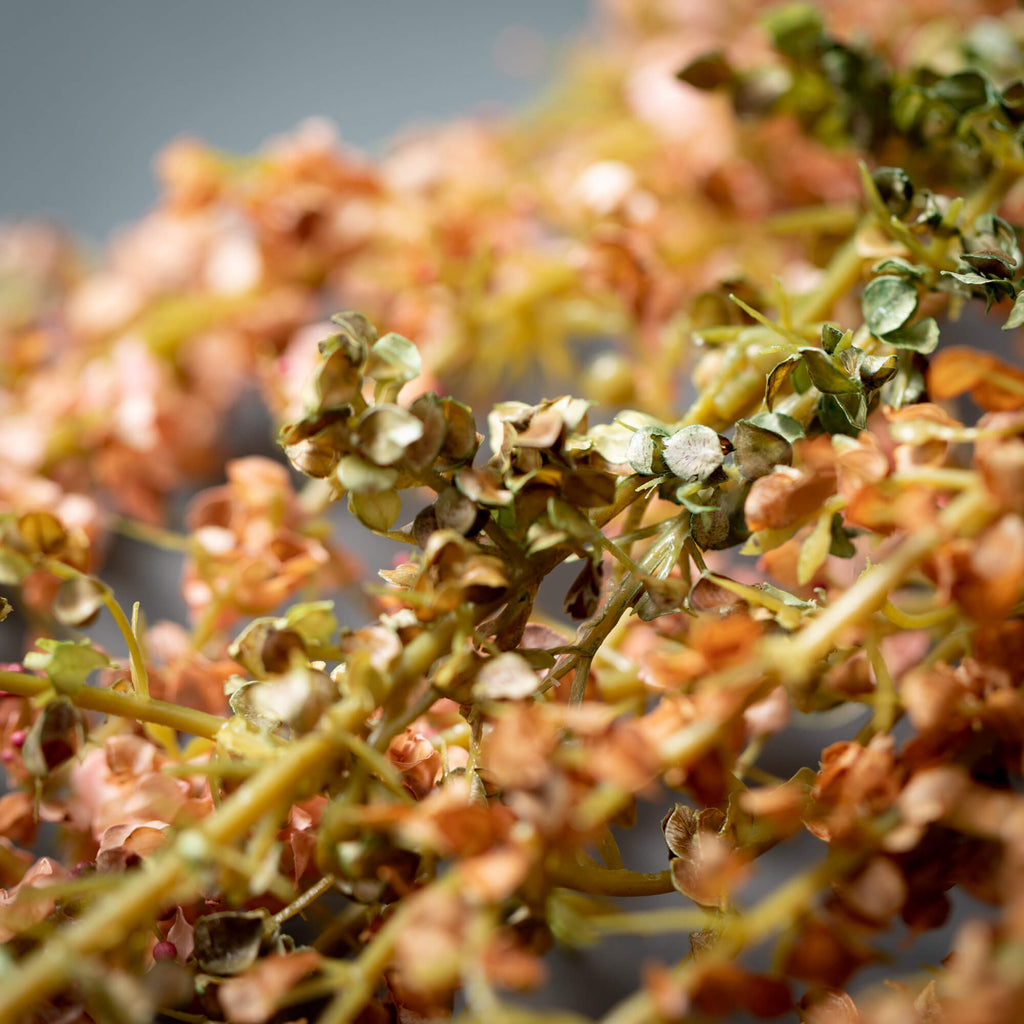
point(90, 90)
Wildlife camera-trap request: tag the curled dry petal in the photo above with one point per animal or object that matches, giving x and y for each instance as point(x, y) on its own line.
point(993, 384)
point(989, 571)
point(786, 497)
point(932, 793)
point(507, 676)
point(875, 893)
point(254, 997)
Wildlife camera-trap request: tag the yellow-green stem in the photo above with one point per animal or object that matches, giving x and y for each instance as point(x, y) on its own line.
point(793, 657)
point(600, 881)
point(298, 771)
point(122, 705)
point(139, 676)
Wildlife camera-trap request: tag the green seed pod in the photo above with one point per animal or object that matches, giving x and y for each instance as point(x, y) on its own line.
point(644, 452)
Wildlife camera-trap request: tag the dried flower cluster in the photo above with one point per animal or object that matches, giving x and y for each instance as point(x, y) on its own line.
point(264, 816)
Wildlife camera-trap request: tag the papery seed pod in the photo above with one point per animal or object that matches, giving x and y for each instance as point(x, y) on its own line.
point(454, 511)
point(385, 431)
point(645, 451)
point(710, 530)
point(376, 510)
point(424, 525)
point(78, 601)
point(695, 452)
point(54, 738)
point(337, 378)
point(229, 942)
point(894, 188)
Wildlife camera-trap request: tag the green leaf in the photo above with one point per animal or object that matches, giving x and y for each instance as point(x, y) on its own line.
point(564, 517)
point(922, 336)
point(842, 547)
point(14, 566)
point(907, 105)
point(314, 621)
point(67, 663)
point(801, 378)
point(779, 423)
point(888, 303)
point(684, 499)
point(826, 374)
point(969, 277)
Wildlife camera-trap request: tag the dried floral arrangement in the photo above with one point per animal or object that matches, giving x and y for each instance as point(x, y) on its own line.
point(793, 206)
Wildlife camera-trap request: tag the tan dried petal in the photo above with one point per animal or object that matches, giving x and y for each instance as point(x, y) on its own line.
point(932, 793)
point(768, 715)
point(956, 370)
point(255, 996)
point(930, 696)
point(875, 893)
point(990, 571)
point(417, 759)
point(826, 952)
point(829, 1007)
point(779, 807)
point(493, 876)
point(507, 676)
point(785, 497)
point(429, 947)
point(1001, 463)
point(670, 998)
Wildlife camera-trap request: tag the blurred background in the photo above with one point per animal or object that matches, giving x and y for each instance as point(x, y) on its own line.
point(91, 91)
